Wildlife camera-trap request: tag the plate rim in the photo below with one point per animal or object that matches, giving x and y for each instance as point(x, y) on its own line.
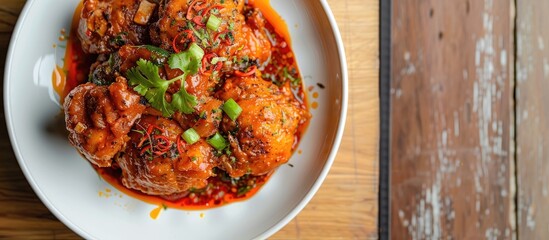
point(268, 232)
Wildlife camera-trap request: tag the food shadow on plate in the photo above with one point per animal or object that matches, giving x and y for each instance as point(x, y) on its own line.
point(55, 126)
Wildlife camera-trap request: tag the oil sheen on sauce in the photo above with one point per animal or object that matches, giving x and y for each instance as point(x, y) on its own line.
point(221, 189)
point(276, 21)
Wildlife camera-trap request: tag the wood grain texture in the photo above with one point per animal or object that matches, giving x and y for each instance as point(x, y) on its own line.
point(346, 204)
point(452, 117)
point(344, 207)
point(532, 119)
point(22, 214)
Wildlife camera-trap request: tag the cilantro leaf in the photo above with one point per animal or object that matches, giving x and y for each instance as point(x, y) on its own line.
point(187, 61)
point(182, 61)
point(145, 74)
point(148, 83)
point(183, 101)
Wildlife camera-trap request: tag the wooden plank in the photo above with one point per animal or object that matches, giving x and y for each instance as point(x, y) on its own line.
point(346, 204)
point(532, 119)
point(20, 208)
point(22, 214)
point(451, 140)
point(9, 11)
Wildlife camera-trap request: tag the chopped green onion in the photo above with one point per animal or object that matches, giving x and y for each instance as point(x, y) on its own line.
point(196, 51)
point(213, 23)
point(190, 136)
point(218, 142)
point(232, 109)
point(218, 59)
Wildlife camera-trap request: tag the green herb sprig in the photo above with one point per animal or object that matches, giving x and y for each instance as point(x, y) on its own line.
point(147, 81)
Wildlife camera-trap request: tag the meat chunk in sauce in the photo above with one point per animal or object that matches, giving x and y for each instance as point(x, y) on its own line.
point(106, 69)
point(180, 19)
point(106, 25)
point(263, 136)
point(99, 118)
point(205, 120)
point(158, 162)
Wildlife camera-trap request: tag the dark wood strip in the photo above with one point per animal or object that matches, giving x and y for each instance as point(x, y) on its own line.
point(385, 128)
point(36, 234)
point(451, 130)
point(9, 11)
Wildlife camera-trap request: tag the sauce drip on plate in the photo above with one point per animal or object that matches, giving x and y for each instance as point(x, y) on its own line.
point(76, 64)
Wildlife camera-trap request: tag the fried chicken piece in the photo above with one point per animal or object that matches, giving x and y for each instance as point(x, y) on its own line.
point(157, 161)
point(207, 115)
point(178, 26)
point(99, 118)
point(205, 120)
point(106, 25)
point(109, 66)
point(263, 136)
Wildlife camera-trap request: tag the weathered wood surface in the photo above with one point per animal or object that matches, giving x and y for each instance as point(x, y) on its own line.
point(344, 207)
point(532, 119)
point(452, 116)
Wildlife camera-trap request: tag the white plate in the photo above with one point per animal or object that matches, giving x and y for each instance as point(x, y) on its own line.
point(68, 185)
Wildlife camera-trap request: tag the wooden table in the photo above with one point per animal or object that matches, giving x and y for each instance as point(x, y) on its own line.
point(344, 207)
point(469, 119)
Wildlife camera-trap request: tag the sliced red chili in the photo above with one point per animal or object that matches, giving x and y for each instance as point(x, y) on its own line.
point(200, 7)
point(250, 72)
point(152, 127)
point(189, 10)
point(144, 150)
point(160, 153)
point(174, 45)
point(180, 145)
point(198, 20)
point(189, 35)
point(210, 8)
point(143, 139)
point(162, 143)
point(205, 60)
point(218, 66)
point(220, 33)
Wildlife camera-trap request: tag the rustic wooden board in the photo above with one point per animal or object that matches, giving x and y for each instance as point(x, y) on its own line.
point(344, 207)
point(451, 131)
point(532, 118)
point(22, 214)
